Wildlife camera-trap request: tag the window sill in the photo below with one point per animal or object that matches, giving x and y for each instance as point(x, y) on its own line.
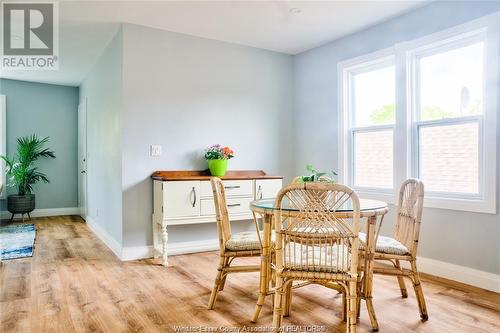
point(467, 205)
point(457, 204)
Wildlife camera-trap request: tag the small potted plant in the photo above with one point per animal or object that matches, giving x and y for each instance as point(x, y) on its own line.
point(217, 157)
point(23, 174)
point(316, 176)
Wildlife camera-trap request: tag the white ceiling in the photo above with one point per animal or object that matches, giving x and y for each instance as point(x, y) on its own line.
point(283, 26)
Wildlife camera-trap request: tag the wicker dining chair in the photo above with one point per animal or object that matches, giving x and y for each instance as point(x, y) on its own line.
point(231, 246)
point(403, 247)
point(316, 243)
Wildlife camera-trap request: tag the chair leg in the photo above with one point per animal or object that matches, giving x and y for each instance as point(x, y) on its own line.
point(401, 281)
point(351, 307)
point(278, 303)
point(223, 282)
point(418, 291)
point(272, 272)
point(358, 299)
point(359, 290)
point(217, 283)
point(288, 300)
point(344, 307)
point(371, 313)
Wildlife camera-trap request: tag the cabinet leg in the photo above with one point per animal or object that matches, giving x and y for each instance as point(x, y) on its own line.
point(164, 237)
point(156, 242)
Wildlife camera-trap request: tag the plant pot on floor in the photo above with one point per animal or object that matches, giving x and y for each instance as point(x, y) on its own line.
point(217, 168)
point(20, 204)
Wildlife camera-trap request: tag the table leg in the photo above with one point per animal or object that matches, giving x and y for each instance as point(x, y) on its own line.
point(368, 278)
point(264, 266)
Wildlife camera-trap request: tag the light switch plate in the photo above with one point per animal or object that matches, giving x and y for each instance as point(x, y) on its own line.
point(155, 150)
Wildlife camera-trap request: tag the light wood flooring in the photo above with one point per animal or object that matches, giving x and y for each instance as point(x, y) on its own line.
point(74, 283)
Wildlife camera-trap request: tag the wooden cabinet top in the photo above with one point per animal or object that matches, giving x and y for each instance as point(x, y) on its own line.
point(205, 175)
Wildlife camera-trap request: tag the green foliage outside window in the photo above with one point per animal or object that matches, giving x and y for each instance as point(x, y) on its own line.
point(387, 113)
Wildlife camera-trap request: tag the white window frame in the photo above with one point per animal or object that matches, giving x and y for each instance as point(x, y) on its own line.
point(406, 126)
point(349, 69)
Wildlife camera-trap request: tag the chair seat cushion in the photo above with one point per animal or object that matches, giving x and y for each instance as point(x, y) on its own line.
point(318, 258)
point(387, 245)
point(244, 241)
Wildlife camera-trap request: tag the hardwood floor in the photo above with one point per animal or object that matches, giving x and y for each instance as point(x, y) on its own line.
point(74, 283)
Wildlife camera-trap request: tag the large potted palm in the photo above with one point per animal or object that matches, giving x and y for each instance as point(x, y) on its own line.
point(22, 173)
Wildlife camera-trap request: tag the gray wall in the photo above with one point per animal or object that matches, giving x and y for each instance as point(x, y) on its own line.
point(185, 93)
point(462, 238)
point(102, 88)
point(46, 110)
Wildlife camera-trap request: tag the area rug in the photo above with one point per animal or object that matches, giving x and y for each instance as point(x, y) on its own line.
point(16, 241)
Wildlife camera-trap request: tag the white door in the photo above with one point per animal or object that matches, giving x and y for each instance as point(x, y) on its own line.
point(82, 158)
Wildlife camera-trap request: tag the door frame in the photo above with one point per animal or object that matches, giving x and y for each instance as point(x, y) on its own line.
point(82, 107)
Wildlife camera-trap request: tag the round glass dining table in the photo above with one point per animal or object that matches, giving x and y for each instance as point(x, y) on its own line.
point(371, 210)
point(366, 206)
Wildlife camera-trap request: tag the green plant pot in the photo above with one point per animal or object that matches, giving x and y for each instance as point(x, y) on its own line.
point(217, 168)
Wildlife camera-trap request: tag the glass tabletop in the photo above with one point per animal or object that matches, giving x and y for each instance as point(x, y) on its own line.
point(364, 204)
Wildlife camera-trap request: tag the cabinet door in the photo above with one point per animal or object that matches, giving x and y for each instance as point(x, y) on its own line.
point(181, 198)
point(267, 188)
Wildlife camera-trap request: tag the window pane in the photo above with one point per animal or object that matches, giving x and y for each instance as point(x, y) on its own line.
point(449, 158)
point(373, 159)
point(374, 97)
point(451, 83)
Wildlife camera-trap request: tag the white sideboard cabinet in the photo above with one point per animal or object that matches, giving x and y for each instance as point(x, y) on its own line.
point(185, 197)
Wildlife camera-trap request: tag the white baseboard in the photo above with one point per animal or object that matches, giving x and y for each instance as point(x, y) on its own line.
point(136, 252)
point(105, 237)
point(44, 212)
point(193, 246)
point(467, 275)
point(55, 211)
point(142, 252)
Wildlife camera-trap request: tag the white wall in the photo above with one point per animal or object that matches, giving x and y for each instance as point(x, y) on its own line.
point(185, 93)
point(103, 90)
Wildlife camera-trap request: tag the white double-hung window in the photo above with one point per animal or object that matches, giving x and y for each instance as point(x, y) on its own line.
point(370, 118)
point(425, 109)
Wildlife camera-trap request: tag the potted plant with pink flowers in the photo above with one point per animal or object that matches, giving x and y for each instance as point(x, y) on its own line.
point(217, 157)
